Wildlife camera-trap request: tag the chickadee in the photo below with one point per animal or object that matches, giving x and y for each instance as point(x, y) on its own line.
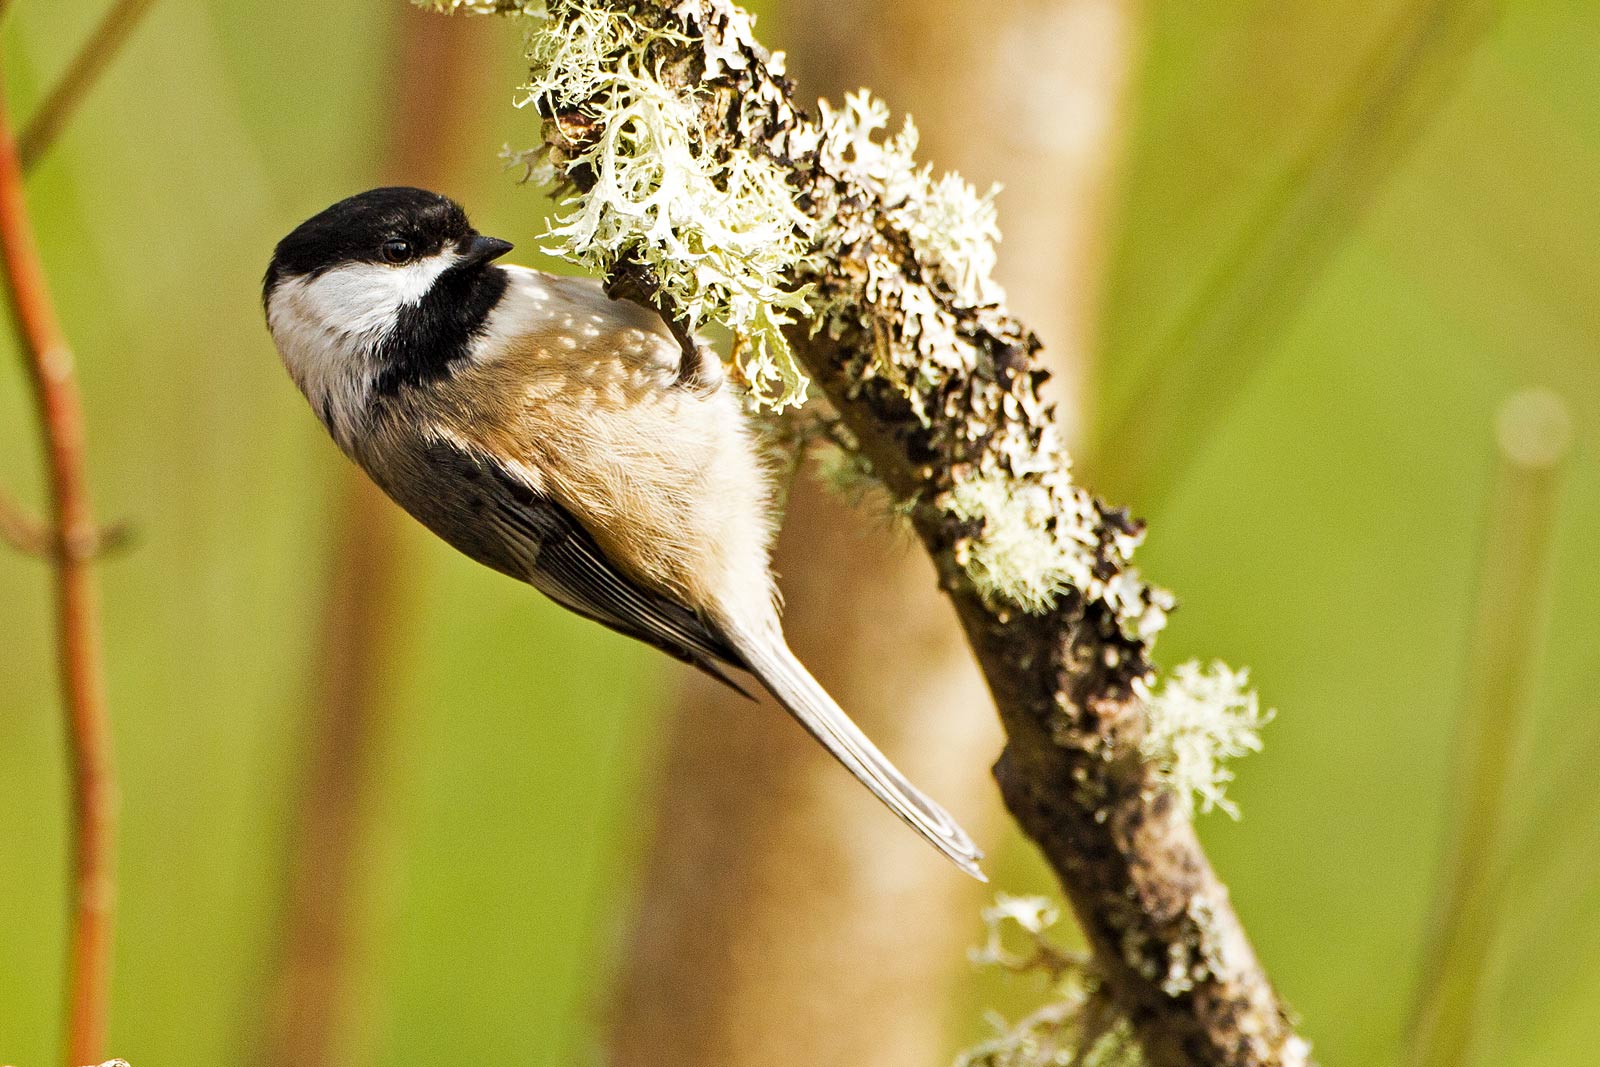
point(553, 434)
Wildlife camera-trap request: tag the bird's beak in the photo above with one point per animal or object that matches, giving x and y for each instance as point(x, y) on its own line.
point(480, 249)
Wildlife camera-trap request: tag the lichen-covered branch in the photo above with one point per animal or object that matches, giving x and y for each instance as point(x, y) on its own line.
point(841, 265)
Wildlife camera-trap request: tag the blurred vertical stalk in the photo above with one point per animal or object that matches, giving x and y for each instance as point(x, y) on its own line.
point(308, 998)
point(434, 84)
point(85, 69)
point(772, 873)
point(1533, 434)
point(72, 544)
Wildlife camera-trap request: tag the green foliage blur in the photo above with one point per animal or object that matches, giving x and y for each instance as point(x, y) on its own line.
point(1326, 532)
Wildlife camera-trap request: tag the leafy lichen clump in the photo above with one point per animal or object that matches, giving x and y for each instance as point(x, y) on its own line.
point(1199, 719)
point(1035, 535)
point(948, 226)
point(1017, 557)
point(1076, 1027)
point(485, 7)
point(717, 233)
point(952, 228)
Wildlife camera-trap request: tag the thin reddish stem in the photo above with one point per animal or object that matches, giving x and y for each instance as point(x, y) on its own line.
point(73, 531)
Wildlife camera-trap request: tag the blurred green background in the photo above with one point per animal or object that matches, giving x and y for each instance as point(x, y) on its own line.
point(1326, 531)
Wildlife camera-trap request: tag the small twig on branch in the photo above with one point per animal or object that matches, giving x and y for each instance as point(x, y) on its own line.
point(72, 526)
point(20, 530)
point(92, 60)
point(928, 371)
point(26, 534)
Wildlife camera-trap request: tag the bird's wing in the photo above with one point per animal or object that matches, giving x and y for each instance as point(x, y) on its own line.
point(562, 560)
point(501, 517)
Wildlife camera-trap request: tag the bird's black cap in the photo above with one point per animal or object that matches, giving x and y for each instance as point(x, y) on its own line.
point(357, 228)
point(397, 225)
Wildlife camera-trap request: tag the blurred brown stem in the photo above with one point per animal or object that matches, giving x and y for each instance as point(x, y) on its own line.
point(92, 60)
point(311, 986)
point(72, 529)
point(316, 969)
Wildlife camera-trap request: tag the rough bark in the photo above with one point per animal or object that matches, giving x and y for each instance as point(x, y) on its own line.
point(769, 866)
point(1067, 679)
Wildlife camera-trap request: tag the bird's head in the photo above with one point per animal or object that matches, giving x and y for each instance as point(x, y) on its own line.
point(382, 290)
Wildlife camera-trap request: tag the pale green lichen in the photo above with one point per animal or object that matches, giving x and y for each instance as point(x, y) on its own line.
point(1033, 544)
point(1076, 1027)
point(950, 229)
point(1033, 916)
point(484, 7)
point(1176, 964)
point(1036, 535)
point(1211, 938)
point(1184, 969)
point(718, 233)
point(1198, 719)
point(1017, 556)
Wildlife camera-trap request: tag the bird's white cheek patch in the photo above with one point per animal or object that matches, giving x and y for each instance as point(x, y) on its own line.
point(367, 298)
point(332, 369)
point(329, 329)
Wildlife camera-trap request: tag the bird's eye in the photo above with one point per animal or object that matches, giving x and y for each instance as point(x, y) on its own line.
point(396, 251)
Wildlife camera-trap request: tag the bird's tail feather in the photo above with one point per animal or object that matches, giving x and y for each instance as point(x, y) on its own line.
point(786, 678)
